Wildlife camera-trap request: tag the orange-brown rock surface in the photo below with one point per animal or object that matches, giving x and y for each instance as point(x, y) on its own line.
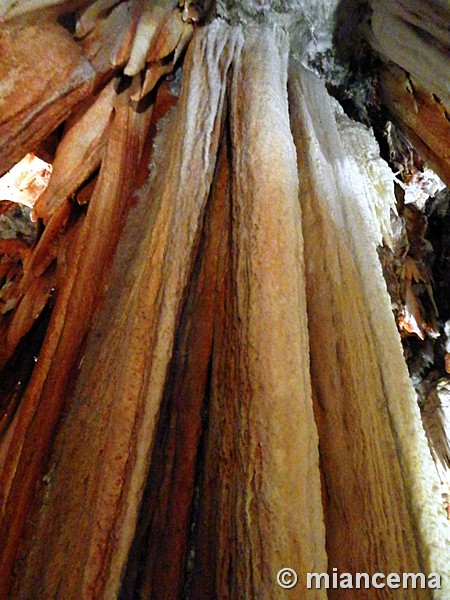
point(202, 380)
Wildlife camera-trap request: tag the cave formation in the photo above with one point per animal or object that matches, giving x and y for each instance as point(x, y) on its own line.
point(202, 377)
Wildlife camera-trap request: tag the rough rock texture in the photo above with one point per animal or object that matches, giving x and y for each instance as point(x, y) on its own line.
point(79, 153)
point(34, 425)
point(36, 95)
point(125, 366)
point(414, 34)
point(413, 39)
point(221, 390)
point(421, 114)
point(162, 542)
point(260, 498)
point(335, 206)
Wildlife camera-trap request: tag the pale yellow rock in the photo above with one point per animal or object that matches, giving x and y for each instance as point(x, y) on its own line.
point(261, 503)
point(347, 291)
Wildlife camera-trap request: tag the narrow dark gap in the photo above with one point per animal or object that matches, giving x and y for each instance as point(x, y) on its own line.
point(18, 370)
point(132, 580)
point(135, 570)
point(438, 234)
point(198, 481)
point(145, 541)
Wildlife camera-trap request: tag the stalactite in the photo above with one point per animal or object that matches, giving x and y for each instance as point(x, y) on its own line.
point(157, 561)
point(39, 412)
point(220, 391)
point(261, 465)
point(125, 366)
point(352, 409)
point(79, 153)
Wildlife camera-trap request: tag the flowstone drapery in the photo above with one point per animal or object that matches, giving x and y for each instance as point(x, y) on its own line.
point(221, 390)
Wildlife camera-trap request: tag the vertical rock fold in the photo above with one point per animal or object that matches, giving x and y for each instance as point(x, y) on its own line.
point(260, 499)
point(221, 392)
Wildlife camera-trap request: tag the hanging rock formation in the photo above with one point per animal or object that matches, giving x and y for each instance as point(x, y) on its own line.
point(220, 389)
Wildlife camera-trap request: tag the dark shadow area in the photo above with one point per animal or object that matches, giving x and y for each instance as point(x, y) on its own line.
point(17, 372)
